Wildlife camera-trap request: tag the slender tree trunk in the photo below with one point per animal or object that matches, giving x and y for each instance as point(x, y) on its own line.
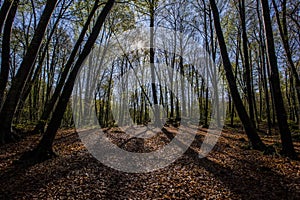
point(44, 148)
point(268, 107)
point(108, 103)
point(183, 101)
point(284, 38)
point(50, 104)
point(42, 58)
point(9, 107)
point(5, 57)
point(5, 9)
point(286, 139)
point(246, 61)
point(264, 70)
point(171, 77)
point(201, 99)
point(247, 122)
point(295, 109)
point(252, 91)
point(237, 53)
point(152, 64)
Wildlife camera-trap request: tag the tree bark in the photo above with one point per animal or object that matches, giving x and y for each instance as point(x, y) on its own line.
point(5, 62)
point(44, 148)
point(39, 128)
point(5, 9)
point(237, 53)
point(284, 38)
point(246, 60)
point(152, 57)
point(286, 139)
point(9, 107)
point(246, 121)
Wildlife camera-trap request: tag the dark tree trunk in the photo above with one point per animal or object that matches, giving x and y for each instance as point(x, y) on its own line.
point(9, 107)
point(295, 109)
point(39, 128)
point(5, 9)
point(44, 148)
point(247, 123)
point(237, 53)
point(152, 64)
point(246, 62)
point(264, 70)
point(252, 91)
point(5, 62)
point(284, 37)
point(183, 101)
point(108, 100)
point(286, 139)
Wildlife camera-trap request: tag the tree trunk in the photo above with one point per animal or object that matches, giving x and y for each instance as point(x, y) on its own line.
point(247, 123)
point(5, 62)
point(39, 128)
point(237, 53)
point(44, 148)
point(183, 101)
point(5, 9)
point(284, 37)
point(286, 139)
point(9, 107)
point(264, 70)
point(246, 61)
point(152, 56)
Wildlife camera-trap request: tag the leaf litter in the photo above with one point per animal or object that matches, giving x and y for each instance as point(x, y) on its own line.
point(230, 171)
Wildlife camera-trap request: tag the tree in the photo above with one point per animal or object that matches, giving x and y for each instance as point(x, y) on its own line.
point(9, 106)
point(246, 121)
point(5, 62)
point(5, 9)
point(152, 8)
point(246, 59)
point(50, 104)
point(282, 24)
point(286, 139)
point(44, 149)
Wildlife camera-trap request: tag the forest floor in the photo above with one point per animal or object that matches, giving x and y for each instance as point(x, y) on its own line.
point(230, 171)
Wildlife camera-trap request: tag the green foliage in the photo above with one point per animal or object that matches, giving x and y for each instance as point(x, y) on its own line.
point(121, 19)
